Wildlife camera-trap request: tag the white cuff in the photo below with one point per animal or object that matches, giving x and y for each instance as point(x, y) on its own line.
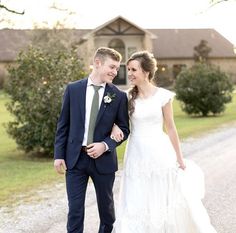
point(107, 148)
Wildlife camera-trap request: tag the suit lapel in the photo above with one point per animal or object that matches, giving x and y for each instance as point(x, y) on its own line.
point(83, 99)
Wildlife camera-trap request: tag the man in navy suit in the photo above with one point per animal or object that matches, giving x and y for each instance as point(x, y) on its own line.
point(82, 156)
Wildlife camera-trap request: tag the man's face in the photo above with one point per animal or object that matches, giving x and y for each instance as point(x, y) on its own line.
point(108, 70)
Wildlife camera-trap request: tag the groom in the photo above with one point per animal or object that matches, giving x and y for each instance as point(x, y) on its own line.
point(83, 147)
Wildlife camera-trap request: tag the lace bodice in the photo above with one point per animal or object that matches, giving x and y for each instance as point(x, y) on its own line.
point(148, 116)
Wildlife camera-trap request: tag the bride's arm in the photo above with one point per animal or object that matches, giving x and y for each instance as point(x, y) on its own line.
point(172, 132)
point(116, 133)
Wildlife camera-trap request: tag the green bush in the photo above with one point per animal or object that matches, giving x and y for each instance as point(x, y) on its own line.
point(2, 78)
point(36, 85)
point(203, 89)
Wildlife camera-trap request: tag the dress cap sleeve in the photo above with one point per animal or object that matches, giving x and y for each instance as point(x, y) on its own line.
point(166, 96)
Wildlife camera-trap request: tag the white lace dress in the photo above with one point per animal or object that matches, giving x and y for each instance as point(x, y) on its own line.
point(155, 195)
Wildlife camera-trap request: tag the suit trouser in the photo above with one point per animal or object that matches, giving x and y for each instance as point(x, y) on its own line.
point(76, 184)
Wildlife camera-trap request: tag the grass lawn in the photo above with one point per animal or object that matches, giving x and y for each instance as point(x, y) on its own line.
point(20, 173)
point(195, 126)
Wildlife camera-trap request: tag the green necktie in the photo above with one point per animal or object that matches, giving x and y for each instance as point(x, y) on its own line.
point(93, 114)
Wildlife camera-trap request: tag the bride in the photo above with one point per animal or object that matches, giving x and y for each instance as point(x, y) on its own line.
point(160, 191)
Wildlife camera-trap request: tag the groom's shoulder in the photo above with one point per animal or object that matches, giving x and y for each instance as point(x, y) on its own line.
point(117, 89)
point(77, 83)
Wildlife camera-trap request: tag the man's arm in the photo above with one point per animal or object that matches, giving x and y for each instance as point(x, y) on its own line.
point(122, 121)
point(62, 127)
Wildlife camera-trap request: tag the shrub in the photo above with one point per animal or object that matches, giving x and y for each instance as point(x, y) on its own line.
point(203, 89)
point(2, 78)
point(36, 85)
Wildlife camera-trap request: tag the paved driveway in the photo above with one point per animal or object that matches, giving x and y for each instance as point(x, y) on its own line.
point(215, 153)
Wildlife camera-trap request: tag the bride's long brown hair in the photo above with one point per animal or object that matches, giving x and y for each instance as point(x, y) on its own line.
point(148, 63)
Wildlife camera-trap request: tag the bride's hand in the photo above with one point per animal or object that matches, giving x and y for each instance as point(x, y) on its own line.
point(117, 134)
point(182, 165)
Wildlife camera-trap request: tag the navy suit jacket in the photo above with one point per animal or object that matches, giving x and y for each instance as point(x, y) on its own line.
point(71, 125)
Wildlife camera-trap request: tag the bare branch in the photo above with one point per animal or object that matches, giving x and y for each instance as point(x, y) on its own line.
point(215, 2)
point(12, 11)
point(55, 7)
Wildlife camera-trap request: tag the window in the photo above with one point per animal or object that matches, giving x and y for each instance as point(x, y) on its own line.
point(118, 45)
point(131, 50)
point(163, 76)
point(120, 79)
point(162, 69)
point(177, 69)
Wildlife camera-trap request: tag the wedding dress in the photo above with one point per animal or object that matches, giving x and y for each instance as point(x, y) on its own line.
point(155, 195)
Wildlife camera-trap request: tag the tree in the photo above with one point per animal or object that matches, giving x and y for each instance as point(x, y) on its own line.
point(203, 89)
point(202, 51)
point(53, 40)
point(36, 85)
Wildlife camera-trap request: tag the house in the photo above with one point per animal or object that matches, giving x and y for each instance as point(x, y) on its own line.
point(173, 48)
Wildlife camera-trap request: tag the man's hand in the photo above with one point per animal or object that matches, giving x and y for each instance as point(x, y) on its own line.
point(95, 150)
point(60, 166)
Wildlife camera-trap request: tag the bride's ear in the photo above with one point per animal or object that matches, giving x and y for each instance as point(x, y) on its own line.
point(146, 75)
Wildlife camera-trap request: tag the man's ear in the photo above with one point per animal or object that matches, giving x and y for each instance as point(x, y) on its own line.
point(97, 62)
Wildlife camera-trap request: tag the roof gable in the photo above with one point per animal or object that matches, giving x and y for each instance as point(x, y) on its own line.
point(118, 26)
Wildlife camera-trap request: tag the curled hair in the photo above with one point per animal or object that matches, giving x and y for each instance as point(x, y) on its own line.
point(132, 95)
point(148, 64)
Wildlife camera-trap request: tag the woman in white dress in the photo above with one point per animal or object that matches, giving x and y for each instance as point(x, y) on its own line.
point(160, 191)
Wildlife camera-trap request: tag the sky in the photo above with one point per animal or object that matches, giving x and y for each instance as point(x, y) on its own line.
point(147, 14)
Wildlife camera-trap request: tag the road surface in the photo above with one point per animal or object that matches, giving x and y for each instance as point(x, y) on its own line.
point(215, 153)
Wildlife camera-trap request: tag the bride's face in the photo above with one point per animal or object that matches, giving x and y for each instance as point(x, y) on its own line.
point(136, 74)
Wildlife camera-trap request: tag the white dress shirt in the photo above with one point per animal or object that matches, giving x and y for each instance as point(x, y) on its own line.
point(89, 99)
